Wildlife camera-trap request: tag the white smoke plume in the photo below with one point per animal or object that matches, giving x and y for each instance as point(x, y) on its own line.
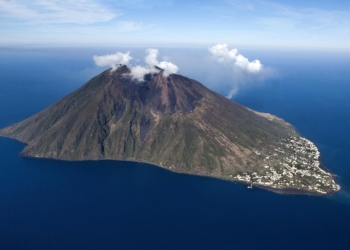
point(137, 72)
point(151, 58)
point(244, 72)
point(168, 67)
point(222, 52)
point(112, 60)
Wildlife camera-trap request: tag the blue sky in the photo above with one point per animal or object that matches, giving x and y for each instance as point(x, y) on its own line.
point(291, 24)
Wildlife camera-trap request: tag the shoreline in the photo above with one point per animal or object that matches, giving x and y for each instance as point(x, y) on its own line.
point(284, 191)
point(274, 190)
point(295, 191)
point(267, 188)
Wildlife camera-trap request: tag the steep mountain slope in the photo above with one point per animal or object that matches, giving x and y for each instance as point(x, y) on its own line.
point(174, 122)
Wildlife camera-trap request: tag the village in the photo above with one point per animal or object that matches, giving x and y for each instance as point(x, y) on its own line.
point(299, 171)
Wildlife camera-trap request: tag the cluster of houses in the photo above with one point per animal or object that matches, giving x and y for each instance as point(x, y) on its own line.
point(297, 167)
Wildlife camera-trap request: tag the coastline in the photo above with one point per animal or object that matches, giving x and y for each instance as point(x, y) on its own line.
point(295, 191)
point(284, 191)
point(278, 191)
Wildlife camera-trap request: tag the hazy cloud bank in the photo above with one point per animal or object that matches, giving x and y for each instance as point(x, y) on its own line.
point(57, 11)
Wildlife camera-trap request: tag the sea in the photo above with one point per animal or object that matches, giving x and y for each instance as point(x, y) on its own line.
point(49, 204)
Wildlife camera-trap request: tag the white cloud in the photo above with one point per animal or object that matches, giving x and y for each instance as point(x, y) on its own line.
point(151, 58)
point(252, 67)
point(223, 54)
point(168, 67)
point(112, 60)
point(57, 11)
point(138, 72)
point(244, 72)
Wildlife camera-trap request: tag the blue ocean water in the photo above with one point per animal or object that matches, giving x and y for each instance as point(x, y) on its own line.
point(46, 204)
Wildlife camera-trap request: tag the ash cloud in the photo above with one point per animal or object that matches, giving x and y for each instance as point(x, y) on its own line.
point(243, 72)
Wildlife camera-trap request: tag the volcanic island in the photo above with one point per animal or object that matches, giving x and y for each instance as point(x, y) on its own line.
point(176, 123)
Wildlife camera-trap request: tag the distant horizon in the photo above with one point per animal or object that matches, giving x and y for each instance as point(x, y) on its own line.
point(311, 25)
point(166, 46)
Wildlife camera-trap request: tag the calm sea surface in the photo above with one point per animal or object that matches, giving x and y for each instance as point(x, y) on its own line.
point(46, 204)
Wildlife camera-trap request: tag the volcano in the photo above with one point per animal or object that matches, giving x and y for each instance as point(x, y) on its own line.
point(178, 124)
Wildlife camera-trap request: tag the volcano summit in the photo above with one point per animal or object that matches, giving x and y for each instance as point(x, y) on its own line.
point(178, 124)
